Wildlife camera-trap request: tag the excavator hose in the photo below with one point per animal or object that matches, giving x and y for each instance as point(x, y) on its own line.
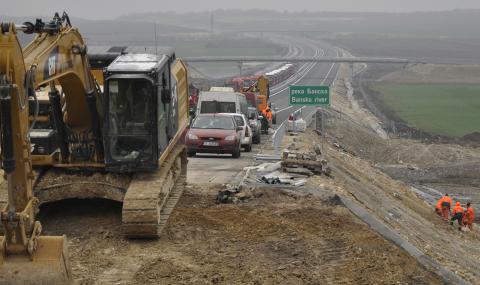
point(29, 83)
point(8, 160)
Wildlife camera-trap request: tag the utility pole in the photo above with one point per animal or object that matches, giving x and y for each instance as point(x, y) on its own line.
point(212, 22)
point(156, 40)
point(240, 66)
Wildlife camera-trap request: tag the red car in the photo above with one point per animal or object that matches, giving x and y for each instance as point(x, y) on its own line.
point(214, 133)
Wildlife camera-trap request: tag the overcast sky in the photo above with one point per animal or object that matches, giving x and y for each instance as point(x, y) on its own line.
point(108, 9)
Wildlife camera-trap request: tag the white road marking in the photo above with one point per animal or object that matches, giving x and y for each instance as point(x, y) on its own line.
point(284, 109)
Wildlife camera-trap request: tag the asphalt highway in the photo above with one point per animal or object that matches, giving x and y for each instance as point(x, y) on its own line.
point(223, 169)
point(307, 74)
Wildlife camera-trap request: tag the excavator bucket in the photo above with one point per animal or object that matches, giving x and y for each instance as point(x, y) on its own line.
point(49, 265)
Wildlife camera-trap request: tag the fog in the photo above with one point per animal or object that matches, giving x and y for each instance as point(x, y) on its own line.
point(110, 9)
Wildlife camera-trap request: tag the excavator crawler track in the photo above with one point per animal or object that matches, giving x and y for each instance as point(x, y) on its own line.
point(148, 198)
point(151, 197)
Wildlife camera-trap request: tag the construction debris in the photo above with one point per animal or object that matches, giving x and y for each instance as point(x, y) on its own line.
point(230, 195)
point(265, 167)
point(271, 180)
point(282, 178)
point(299, 170)
point(267, 157)
point(302, 160)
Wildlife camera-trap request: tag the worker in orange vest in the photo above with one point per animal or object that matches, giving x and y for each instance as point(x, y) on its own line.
point(438, 207)
point(444, 204)
point(468, 217)
point(264, 112)
point(267, 113)
point(457, 214)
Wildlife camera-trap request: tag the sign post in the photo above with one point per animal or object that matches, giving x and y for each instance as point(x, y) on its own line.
point(318, 96)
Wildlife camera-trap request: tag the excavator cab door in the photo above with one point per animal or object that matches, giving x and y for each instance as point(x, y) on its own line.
point(130, 123)
point(140, 107)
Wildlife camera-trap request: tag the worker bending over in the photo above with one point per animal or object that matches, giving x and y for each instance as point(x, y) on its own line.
point(468, 217)
point(443, 206)
point(457, 214)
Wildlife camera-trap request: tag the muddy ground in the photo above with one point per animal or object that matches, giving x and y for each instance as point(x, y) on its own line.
point(275, 237)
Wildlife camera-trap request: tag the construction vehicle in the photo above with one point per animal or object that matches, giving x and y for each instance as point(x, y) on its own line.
point(261, 88)
point(125, 143)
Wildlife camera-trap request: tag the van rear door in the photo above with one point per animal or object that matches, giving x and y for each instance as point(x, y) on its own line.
point(210, 107)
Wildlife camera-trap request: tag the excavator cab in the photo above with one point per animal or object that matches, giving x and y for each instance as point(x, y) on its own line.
point(139, 111)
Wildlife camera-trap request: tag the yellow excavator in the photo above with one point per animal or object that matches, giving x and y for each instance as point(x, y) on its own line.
point(124, 143)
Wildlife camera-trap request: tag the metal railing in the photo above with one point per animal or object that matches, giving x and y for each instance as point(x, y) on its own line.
point(278, 135)
point(309, 118)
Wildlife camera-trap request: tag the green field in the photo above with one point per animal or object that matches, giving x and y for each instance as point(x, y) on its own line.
point(451, 110)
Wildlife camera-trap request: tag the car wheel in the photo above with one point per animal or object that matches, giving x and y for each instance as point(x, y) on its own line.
point(236, 153)
point(191, 153)
point(248, 148)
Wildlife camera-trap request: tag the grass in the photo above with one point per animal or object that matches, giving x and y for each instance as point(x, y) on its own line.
point(451, 110)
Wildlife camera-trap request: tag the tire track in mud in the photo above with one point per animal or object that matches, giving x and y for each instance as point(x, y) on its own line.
point(334, 256)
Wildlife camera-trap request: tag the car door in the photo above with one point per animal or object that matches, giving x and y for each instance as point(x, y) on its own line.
point(247, 127)
point(241, 123)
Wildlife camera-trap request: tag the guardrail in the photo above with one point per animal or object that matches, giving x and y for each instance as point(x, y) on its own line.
point(278, 135)
point(309, 118)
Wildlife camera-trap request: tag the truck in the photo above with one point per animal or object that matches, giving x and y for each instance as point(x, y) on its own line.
point(261, 88)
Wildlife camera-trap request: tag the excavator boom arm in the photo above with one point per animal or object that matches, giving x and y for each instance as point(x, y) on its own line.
point(25, 256)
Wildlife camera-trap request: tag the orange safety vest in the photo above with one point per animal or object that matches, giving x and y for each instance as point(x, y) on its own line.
point(444, 199)
point(447, 199)
point(264, 112)
point(269, 114)
point(469, 214)
point(457, 209)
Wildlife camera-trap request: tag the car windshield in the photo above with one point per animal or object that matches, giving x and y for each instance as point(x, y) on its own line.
point(239, 121)
point(221, 123)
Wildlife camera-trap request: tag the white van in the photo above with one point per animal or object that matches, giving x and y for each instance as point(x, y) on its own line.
point(222, 102)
